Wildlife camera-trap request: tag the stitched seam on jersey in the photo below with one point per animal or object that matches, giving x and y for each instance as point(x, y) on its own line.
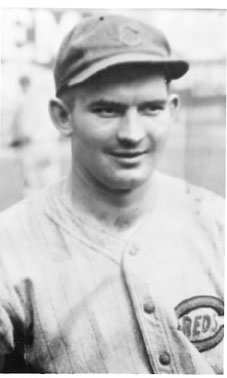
point(90, 246)
point(135, 297)
point(79, 219)
point(119, 309)
point(82, 239)
point(144, 332)
point(94, 275)
point(168, 340)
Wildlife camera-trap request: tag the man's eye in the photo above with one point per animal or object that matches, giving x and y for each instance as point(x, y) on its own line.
point(152, 109)
point(106, 112)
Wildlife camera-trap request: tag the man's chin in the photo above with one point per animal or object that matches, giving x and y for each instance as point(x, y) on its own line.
point(128, 184)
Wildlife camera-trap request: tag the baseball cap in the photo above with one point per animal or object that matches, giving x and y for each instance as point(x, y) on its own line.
point(99, 42)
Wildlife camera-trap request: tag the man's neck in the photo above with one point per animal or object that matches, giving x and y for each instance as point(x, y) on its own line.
point(116, 210)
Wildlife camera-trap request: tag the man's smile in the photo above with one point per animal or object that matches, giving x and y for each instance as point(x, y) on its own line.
point(128, 154)
point(129, 158)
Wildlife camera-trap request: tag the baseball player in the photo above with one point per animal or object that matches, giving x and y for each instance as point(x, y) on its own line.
point(117, 268)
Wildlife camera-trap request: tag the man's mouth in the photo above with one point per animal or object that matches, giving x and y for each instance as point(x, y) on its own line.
point(129, 159)
point(128, 154)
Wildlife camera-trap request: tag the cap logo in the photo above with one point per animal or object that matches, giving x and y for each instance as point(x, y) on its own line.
point(201, 320)
point(129, 35)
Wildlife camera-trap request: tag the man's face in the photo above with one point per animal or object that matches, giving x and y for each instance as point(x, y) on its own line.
point(119, 126)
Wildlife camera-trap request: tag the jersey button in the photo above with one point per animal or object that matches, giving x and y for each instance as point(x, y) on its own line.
point(148, 307)
point(164, 358)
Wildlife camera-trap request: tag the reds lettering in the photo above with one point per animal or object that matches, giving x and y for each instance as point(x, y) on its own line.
point(197, 327)
point(201, 319)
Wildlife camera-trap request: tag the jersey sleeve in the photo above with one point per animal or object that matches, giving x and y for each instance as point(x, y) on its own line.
point(11, 312)
point(15, 315)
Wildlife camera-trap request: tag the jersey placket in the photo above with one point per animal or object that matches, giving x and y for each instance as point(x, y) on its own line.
point(145, 307)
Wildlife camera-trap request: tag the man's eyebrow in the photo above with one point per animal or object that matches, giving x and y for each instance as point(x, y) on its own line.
point(107, 103)
point(122, 105)
point(155, 101)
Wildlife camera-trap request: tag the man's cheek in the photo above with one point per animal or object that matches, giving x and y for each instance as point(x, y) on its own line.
point(159, 138)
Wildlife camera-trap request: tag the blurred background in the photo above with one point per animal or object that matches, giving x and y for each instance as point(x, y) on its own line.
point(32, 152)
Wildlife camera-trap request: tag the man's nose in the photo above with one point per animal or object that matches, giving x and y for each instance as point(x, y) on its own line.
point(131, 130)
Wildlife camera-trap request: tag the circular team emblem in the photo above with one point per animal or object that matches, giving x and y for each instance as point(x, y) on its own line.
point(201, 320)
point(129, 36)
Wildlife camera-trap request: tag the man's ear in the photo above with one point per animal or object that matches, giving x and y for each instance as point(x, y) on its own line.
point(174, 103)
point(60, 116)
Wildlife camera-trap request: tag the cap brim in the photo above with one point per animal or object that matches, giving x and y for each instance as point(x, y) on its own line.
point(174, 68)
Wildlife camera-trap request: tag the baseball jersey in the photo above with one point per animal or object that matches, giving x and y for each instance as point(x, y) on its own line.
point(77, 298)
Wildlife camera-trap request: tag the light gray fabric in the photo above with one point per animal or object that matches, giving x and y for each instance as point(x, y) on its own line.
point(72, 295)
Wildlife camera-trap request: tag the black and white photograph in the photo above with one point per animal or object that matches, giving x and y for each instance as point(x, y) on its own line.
point(112, 190)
